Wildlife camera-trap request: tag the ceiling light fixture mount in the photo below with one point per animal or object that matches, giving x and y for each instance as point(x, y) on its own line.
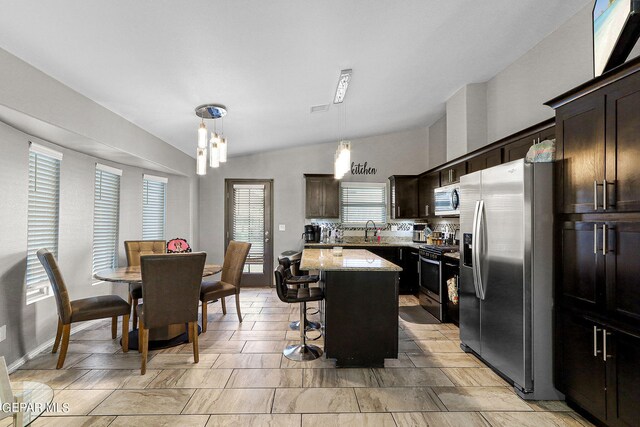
point(217, 144)
point(343, 85)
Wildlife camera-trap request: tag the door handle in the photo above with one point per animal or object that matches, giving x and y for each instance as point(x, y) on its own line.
point(398, 211)
point(604, 239)
point(595, 239)
point(266, 240)
point(604, 194)
point(595, 195)
point(426, 210)
point(595, 340)
point(605, 334)
point(479, 242)
point(474, 237)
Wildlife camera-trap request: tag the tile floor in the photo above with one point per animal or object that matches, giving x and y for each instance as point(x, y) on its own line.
point(243, 379)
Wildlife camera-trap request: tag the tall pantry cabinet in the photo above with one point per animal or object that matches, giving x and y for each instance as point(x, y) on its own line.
point(597, 298)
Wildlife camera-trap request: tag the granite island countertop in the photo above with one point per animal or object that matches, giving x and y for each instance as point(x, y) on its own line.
point(383, 244)
point(351, 260)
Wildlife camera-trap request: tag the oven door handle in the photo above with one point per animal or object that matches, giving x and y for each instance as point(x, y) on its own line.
point(430, 261)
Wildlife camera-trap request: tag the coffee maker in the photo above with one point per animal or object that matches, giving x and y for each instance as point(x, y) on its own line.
point(311, 233)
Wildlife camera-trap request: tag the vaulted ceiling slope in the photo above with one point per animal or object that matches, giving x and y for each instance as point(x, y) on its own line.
point(153, 61)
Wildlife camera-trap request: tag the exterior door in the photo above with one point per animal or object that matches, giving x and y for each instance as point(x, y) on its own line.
point(249, 219)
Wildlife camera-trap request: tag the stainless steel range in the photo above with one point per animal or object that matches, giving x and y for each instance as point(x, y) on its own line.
point(433, 286)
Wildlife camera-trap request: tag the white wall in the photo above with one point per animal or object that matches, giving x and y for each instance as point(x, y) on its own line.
point(437, 153)
point(29, 326)
point(466, 120)
point(397, 153)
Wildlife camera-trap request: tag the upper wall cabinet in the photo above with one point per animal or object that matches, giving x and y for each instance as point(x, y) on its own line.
point(452, 174)
point(485, 160)
point(426, 198)
point(404, 196)
point(322, 196)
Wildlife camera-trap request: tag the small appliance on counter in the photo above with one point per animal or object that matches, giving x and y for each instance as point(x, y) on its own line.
point(420, 233)
point(311, 233)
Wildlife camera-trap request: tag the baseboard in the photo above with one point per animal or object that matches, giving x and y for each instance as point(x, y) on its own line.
point(36, 351)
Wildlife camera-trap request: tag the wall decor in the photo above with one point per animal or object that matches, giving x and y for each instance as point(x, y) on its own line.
point(362, 169)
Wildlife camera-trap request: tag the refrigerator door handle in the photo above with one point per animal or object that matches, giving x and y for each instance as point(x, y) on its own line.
point(478, 239)
point(474, 249)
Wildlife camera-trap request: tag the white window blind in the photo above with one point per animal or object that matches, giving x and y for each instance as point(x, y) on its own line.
point(248, 222)
point(363, 201)
point(154, 201)
point(43, 217)
point(106, 217)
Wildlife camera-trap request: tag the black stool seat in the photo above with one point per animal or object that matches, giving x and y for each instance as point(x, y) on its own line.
point(303, 294)
point(302, 280)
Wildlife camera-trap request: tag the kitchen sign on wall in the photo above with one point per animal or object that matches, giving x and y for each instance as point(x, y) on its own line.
point(362, 169)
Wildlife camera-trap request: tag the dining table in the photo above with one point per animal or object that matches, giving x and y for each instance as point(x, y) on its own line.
point(159, 338)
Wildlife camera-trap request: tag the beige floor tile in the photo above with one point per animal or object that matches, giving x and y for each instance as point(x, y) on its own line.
point(161, 421)
point(229, 401)
point(95, 346)
point(408, 326)
point(408, 346)
point(248, 360)
point(49, 361)
point(56, 379)
point(215, 335)
point(339, 378)
point(440, 419)
point(438, 346)
point(531, 419)
point(144, 402)
point(314, 400)
point(229, 326)
point(267, 317)
point(62, 421)
point(480, 399)
point(549, 406)
point(97, 334)
point(452, 334)
point(215, 347)
point(311, 336)
point(472, 377)
point(215, 315)
point(271, 326)
point(443, 360)
point(319, 363)
point(339, 420)
point(425, 335)
point(402, 361)
point(265, 346)
point(111, 379)
point(258, 420)
point(80, 402)
point(411, 377)
point(258, 335)
point(181, 361)
point(130, 360)
point(265, 378)
point(191, 378)
point(392, 399)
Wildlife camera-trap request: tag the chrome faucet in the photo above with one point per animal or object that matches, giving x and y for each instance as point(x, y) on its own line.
point(366, 230)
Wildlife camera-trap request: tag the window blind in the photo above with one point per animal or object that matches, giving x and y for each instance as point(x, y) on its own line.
point(43, 217)
point(106, 217)
point(363, 201)
point(248, 222)
point(154, 200)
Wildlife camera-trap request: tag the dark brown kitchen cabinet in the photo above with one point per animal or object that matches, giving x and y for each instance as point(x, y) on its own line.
point(518, 149)
point(485, 160)
point(404, 196)
point(623, 270)
point(426, 198)
point(452, 174)
point(623, 378)
point(322, 196)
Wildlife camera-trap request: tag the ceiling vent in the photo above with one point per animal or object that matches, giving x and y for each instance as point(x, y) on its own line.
point(320, 108)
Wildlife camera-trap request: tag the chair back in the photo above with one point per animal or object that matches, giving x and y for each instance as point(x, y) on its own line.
point(286, 263)
point(171, 287)
point(281, 284)
point(63, 302)
point(136, 248)
point(234, 261)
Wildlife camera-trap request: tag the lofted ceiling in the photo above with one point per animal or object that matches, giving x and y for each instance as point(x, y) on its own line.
point(269, 62)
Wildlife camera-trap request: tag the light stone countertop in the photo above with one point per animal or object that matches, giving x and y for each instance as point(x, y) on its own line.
point(351, 260)
point(383, 244)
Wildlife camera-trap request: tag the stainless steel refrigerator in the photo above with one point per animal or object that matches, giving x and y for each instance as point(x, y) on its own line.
point(506, 273)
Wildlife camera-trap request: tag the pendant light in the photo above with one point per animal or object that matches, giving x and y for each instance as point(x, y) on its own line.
point(201, 161)
point(202, 135)
point(214, 154)
point(215, 144)
point(222, 145)
point(342, 157)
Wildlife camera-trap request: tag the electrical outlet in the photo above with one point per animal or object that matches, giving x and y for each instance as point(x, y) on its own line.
point(3, 333)
point(282, 227)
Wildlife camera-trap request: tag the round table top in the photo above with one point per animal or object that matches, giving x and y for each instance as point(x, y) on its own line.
point(133, 274)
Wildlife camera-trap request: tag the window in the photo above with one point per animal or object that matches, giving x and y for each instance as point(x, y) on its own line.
point(106, 217)
point(154, 201)
point(42, 217)
point(363, 201)
point(248, 223)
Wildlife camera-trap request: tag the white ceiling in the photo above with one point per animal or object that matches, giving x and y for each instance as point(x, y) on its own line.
point(153, 61)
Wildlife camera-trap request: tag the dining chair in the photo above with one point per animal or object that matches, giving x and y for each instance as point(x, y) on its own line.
point(171, 285)
point(229, 283)
point(80, 310)
point(134, 249)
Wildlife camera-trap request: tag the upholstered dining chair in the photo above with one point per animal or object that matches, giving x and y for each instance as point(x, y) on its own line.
point(72, 311)
point(135, 249)
point(170, 296)
point(229, 283)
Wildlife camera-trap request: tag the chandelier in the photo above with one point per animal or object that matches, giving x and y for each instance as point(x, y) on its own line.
point(216, 147)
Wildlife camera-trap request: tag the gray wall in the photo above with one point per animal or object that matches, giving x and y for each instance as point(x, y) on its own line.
point(29, 326)
point(397, 153)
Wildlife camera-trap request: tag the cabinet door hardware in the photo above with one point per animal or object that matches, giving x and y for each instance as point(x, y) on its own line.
point(595, 340)
point(604, 194)
point(595, 239)
point(605, 334)
point(426, 210)
point(398, 211)
point(604, 239)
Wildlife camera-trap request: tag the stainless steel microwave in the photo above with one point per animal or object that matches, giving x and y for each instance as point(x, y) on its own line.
point(447, 200)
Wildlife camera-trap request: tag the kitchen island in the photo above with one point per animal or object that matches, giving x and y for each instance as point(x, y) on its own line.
point(360, 310)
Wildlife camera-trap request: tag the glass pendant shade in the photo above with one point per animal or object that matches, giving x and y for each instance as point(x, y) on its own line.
point(222, 146)
point(214, 154)
point(202, 136)
point(201, 161)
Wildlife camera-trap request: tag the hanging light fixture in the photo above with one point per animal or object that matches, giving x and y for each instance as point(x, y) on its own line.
point(213, 112)
point(342, 157)
point(222, 144)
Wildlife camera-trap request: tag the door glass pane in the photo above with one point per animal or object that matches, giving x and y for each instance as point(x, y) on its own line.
point(248, 223)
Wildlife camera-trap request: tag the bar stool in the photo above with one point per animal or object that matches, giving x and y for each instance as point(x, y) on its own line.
point(299, 281)
point(302, 351)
